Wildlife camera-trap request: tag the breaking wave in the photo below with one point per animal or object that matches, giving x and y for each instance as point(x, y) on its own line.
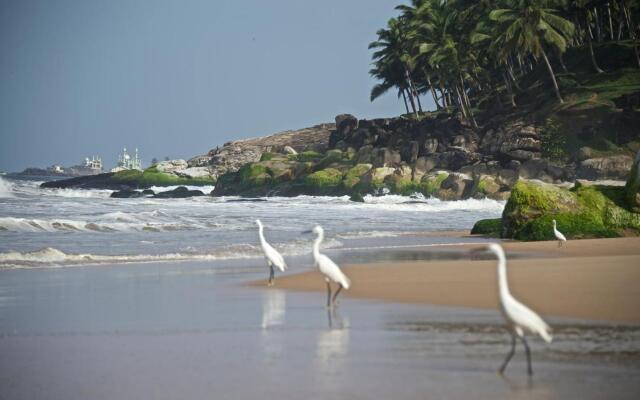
point(119, 221)
point(5, 188)
point(52, 257)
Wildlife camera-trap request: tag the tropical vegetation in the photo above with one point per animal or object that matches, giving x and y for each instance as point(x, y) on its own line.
point(469, 55)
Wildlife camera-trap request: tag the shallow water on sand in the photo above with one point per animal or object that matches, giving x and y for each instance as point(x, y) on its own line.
point(192, 330)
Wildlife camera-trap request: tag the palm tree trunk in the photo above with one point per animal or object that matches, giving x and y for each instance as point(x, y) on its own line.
point(418, 98)
point(406, 106)
point(410, 92)
point(597, 20)
point(432, 90)
point(561, 62)
point(593, 56)
point(512, 76)
point(553, 76)
point(509, 89)
point(610, 21)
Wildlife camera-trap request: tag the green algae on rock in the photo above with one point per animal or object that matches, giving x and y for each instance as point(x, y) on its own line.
point(580, 212)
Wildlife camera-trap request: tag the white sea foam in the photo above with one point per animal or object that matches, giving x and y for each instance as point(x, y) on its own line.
point(204, 189)
point(6, 188)
point(52, 257)
point(118, 222)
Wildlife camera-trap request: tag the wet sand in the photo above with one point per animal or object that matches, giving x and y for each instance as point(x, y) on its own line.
point(588, 279)
point(195, 330)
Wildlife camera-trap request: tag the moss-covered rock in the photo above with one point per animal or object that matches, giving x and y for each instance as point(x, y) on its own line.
point(584, 211)
point(253, 174)
point(632, 188)
point(432, 181)
point(353, 176)
point(325, 180)
point(488, 227)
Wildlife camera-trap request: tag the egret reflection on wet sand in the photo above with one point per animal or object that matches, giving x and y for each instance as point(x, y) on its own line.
point(519, 317)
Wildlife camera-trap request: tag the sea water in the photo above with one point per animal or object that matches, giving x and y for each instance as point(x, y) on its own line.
point(70, 227)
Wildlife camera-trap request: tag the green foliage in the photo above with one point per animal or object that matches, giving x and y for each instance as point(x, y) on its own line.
point(553, 141)
point(488, 227)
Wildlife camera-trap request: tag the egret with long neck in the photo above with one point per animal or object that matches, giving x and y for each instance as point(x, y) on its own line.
point(328, 268)
point(519, 317)
point(558, 234)
point(270, 254)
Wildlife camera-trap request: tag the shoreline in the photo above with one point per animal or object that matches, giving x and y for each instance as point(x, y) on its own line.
point(590, 279)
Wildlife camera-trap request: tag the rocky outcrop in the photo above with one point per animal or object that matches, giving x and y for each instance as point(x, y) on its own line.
point(600, 168)
point(584, 211)
point(129, 180)
point(233, 155)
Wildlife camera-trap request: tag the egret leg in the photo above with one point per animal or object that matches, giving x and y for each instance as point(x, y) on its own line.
point(271, 275)
point(335, 296)
point(511, 352)
point(328, 294)
point(559, 243)
point(528, 352)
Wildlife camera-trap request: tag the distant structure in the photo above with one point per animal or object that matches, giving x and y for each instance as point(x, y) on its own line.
point(125, 162)
point(91, 166)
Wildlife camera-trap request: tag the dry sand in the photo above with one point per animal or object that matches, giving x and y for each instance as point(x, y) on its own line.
point(595, 279)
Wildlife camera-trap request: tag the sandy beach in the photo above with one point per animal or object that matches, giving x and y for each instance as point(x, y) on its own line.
point(593, 279)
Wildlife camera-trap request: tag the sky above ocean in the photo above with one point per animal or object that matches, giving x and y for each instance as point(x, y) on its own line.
point(177, 78)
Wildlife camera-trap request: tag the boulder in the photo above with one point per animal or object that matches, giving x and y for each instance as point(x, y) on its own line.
point(584, 211)
point(545, 171)
point(456, 187)
point(455, 158)
point(611, 167)
point(126, 194)
point(194, 172)
point(199, 161)
point(632, 188)
point(171, 166)
point(289, 150)
point(346, 123)
point(178, 193)
point(384, 157)
point(429, 146)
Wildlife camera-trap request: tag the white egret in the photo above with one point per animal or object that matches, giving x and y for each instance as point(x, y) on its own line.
point(328, 268)
point(558, 234)
point(270, 254)
point(519, 317)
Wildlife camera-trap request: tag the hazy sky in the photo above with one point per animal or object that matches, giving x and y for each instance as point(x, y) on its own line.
point(175, 77)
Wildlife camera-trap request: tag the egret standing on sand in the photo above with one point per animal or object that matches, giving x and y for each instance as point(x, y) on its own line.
point(518, 316)
point(328, 268)
point(558, 234)
point(271, 254)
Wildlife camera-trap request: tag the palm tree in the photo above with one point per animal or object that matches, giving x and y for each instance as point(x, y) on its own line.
point(528, 26)
point(392, 59)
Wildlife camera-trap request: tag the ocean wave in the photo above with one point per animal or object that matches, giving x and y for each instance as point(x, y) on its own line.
point(6, 188)
point(123, 222)
point(52, 257)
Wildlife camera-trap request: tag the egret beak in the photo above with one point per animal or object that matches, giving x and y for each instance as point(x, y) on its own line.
point(306, 232)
